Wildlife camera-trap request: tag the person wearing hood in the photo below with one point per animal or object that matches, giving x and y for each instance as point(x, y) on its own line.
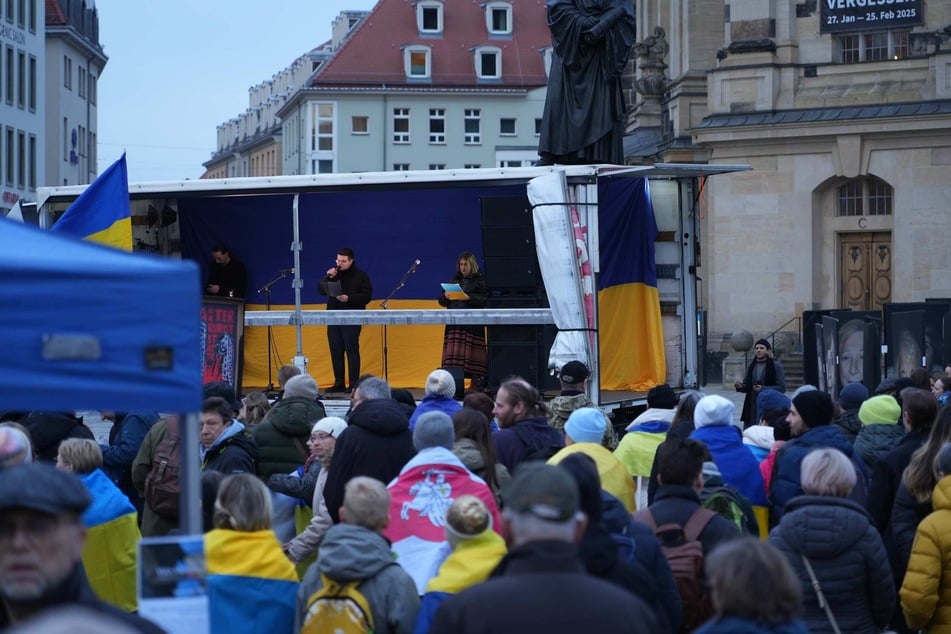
point(377, 441)
point(422, 493)
point(763, 373)
point(850, 400)
point(809, 422)
point(356, 551)
point(476, 551)
point(603, 555)
point(881, 429)
point(738, 468)
point(440, 388)
point(225, 446)
point(830, 542)
point(282, 435)
point(48, 429)
point(584, 430)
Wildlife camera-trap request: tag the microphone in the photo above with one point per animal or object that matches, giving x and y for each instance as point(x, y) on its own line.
point(415, 264)
point(291, 271)
point(337, 266)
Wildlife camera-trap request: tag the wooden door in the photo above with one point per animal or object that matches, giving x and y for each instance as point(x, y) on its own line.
point(865, 265)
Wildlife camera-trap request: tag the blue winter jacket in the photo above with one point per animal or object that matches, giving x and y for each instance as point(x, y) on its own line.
point(738, 467)
point(737, 625)
point(786, 484)
point(434, 403)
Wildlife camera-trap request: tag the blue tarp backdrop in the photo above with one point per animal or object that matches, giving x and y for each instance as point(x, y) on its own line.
point(130, 323)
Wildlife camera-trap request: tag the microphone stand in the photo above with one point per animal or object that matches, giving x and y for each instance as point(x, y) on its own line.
point(385, 305)
point(266, 289)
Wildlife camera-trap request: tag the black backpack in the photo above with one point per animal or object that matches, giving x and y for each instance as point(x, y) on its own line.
point(536, 450)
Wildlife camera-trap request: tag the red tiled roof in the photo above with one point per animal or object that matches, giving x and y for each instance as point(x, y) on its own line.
point(54, 13)
point(373, 54)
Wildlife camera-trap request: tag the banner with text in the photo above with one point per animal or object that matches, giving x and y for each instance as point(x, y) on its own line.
point(841, 16)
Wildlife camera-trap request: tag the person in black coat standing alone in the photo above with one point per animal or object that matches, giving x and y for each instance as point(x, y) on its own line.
point(346, 288)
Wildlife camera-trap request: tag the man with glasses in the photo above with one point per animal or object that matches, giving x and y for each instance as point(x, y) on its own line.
point(41, 544)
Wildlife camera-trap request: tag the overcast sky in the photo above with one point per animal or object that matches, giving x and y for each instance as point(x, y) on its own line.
point(178, 68)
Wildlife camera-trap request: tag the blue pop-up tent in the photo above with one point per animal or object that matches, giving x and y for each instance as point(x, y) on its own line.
point(86, 327)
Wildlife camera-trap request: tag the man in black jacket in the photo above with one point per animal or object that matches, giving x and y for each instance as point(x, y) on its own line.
point(346, 288)
point(225, 445)
point(541, 584)
point(41, 544)
point(377, 442)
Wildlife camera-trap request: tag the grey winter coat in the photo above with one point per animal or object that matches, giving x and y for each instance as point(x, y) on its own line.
point(848, 558)
point(351, 552)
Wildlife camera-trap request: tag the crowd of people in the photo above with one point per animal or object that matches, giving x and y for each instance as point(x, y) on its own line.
point(504, 514)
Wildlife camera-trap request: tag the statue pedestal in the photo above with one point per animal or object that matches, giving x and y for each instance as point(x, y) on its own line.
point(647, 113)
point(734, 369)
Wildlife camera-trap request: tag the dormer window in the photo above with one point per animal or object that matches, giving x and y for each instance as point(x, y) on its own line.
point(488, 62)
point(498, 18)
point(429, 17)
point(417, 62)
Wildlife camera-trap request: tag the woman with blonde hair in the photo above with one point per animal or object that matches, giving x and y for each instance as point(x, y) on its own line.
point(254, 407)
point(252, 587)
point(837, 553)
point(464, 346)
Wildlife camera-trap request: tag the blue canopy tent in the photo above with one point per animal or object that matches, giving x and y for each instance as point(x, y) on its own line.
point(88, 327)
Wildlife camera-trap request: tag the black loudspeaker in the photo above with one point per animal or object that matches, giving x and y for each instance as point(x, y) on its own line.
point(508, 247)
point(459, 377)
point(521, 351)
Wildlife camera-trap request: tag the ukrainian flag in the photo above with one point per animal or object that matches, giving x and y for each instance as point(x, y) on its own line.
point(102, 213)
point(629, 323)
point(112, 534)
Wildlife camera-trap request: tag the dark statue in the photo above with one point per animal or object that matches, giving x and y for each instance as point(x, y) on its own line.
point(584, 108)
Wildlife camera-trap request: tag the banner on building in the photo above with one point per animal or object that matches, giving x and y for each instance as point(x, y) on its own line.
point(842, 16)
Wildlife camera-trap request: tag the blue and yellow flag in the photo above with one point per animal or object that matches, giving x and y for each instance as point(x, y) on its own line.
point(630, 329)
point(102, 213)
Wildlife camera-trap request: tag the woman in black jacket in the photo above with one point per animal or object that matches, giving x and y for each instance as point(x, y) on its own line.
point(831, 539)
point(464, 346)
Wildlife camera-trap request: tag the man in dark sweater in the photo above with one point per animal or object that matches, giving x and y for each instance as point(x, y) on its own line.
point(346, 288)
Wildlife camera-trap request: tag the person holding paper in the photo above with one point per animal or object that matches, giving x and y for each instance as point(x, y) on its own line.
point(464, 346)
point(347, 288)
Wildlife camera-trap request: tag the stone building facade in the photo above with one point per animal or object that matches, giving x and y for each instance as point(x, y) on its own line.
point(844, 114)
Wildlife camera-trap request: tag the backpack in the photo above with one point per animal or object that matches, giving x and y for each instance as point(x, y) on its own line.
point(728, 502)
point(535, 450)
point(162, 486)
point(682, 548)
point(338, 608)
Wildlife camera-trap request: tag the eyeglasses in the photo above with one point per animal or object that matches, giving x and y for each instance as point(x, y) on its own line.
point(35, 526)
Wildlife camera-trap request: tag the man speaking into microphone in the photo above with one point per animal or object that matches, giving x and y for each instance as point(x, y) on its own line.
point(346, 288)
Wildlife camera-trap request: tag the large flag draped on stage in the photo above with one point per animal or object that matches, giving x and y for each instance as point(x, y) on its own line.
point(630, 328)
point(102, 212)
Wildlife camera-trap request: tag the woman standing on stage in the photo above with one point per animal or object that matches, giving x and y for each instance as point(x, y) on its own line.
point(464, 346)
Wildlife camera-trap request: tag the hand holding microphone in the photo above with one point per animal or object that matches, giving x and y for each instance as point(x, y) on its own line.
point(332, 271)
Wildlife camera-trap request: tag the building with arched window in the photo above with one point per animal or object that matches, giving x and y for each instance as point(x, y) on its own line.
point(843, 112)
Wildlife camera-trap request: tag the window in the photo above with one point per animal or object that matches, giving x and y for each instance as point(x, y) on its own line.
point(507, 126)
point(10, 11)
point(488, 62)
point(32, 173)
point(416, 62)
point(82, 83)
point(10, 76)
point(400, 125)
point(82, 141)
point(32, 16)
point(322, 121)
point(538, 127)
point(32, 87)
point(498, 18)
point(510, 163)
point(92, 89)
point(359, 124)
point(473, 126)
point(437, 166)
point(21, 159)
point(21, 13)
point(67, 73)
point(400, 167)
point(437, 126)
point(21, 79)
point(10, 163)
point(65, 139)
point(866, 196)
point(876, 46)
point(429, 17)
point(472, 166)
